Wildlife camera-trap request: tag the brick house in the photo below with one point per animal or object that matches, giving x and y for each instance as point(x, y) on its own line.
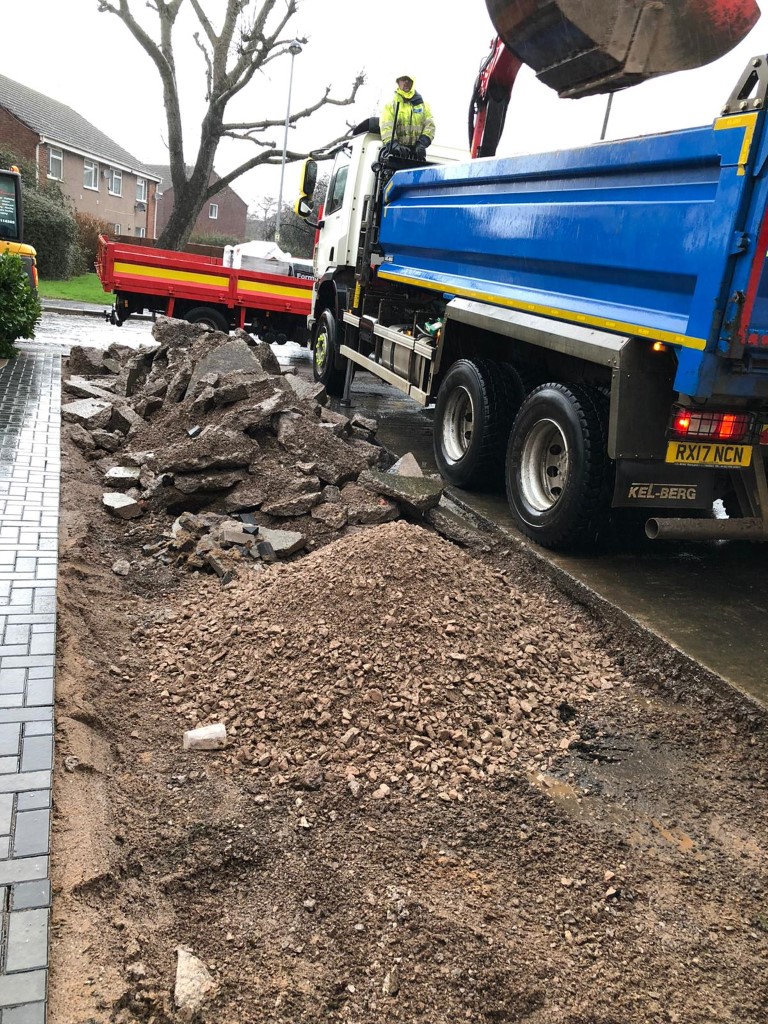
point(98, 175)
point(225, 214)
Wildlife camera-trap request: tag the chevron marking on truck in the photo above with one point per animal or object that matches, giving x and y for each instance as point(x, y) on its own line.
point(616, 326)
point(748, 123)
point(135, 270)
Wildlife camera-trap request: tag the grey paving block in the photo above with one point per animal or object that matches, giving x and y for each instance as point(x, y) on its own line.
point(40, 672)
point(38, 728)
point(23, 869)
point(30, 895)
point(27, 943)
point(39, 691)
point(13, 685)
point(44, 602)
point(41, 714)
point(5, 847)
point(26, 987)
point(16, 634)
point(8, 764)
point(6, 813)
point(32, 833)
point(12, 679)
point(33, 800)
point(42, 643)
point(29, 1013)
point(23, 781)
point(37, 753)
point(10, 735)
point(11, 700)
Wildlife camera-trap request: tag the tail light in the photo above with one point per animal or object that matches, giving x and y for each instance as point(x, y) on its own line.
point(711, 425)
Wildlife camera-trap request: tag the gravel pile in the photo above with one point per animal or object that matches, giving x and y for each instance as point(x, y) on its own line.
point(390, 659)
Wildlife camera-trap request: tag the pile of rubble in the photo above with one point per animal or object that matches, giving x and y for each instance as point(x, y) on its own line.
point(207, 430)
point(400, 666)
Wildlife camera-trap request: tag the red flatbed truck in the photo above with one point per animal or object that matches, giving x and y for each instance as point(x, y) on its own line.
point(200, 288)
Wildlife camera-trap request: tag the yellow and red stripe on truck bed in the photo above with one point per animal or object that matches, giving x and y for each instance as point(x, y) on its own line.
point(181, 275)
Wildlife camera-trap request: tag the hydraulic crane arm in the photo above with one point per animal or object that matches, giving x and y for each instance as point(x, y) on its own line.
point(586, 47)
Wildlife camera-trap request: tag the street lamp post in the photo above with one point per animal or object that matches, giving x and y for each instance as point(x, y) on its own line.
point(294, 49)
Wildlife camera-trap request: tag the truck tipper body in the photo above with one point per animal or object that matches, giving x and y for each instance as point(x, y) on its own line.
point(590, 324)
point(200, 288)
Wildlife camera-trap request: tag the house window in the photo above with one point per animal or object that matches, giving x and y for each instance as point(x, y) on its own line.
point(55, 164)
point(118, 229)
point(213, 211)
point(90, 175)
point(114, 182)
point(141, 232)
point(141, 190)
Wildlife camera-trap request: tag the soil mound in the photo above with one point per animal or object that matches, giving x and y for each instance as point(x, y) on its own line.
point(389, 654)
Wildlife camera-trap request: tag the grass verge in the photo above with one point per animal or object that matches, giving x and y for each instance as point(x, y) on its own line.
point(85, 288)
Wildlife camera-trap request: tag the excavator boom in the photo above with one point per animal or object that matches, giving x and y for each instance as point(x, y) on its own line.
point(583, 47)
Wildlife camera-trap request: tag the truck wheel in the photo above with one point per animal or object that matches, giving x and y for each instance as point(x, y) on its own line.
point(208, 316)
point(325, 348)
point(559, 475)
point(476, 405)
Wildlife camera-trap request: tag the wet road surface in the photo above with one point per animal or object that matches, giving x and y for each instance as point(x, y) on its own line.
point(710, 600)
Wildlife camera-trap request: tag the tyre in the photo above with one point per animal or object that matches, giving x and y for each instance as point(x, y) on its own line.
point(208, 316)
point(476, 405)
point(559, 476)
point(325, 349)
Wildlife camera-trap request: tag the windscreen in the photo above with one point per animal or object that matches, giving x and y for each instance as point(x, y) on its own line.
point(10, 226)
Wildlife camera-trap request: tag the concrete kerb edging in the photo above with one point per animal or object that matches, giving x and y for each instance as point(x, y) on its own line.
point(703, 681)
point(100, 314)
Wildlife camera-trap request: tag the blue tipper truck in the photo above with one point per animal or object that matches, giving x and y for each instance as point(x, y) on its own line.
point(591, 324)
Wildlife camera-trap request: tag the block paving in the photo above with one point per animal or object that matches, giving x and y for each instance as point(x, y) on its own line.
point(30, 404)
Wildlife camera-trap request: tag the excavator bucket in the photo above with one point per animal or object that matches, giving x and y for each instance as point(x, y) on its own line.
point(584, 47)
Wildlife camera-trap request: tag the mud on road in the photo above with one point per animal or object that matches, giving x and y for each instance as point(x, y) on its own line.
point(449, 794)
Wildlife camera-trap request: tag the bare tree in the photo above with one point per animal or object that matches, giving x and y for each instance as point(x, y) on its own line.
point(252, 34)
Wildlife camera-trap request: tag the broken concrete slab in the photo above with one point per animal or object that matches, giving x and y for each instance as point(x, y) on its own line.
point(457, 529)
point(235, 354)
point(90, 413)
point(108, 440)
point(82, 438)
point(122, 478)
point(416, 493)
point(298, 505)
point(147, 407)
point(284, 542)
point(248, 495)
point(307, 441)
point(330, 514)
point(406, 466)
point(214, 448)
point(309, 390)
point(373, 454)
point(231, 534)
point(121, 505)
point(82, 388)
point(365, 423)
point(124, 418)
point(364, 508)
point(85, 361)
point(337, 420)
point(192, 483)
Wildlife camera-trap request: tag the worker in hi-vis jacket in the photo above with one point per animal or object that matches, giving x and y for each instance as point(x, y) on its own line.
point(406, 123)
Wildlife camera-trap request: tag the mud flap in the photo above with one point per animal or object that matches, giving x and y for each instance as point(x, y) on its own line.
point(651, 484)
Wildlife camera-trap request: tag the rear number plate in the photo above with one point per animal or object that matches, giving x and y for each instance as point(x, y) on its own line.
point(728, 456)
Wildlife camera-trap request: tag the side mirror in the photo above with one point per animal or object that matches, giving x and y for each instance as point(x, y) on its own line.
point(308, 178)
point(302, 208)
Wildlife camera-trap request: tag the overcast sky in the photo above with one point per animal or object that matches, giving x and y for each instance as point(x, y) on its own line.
point(68, 51)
